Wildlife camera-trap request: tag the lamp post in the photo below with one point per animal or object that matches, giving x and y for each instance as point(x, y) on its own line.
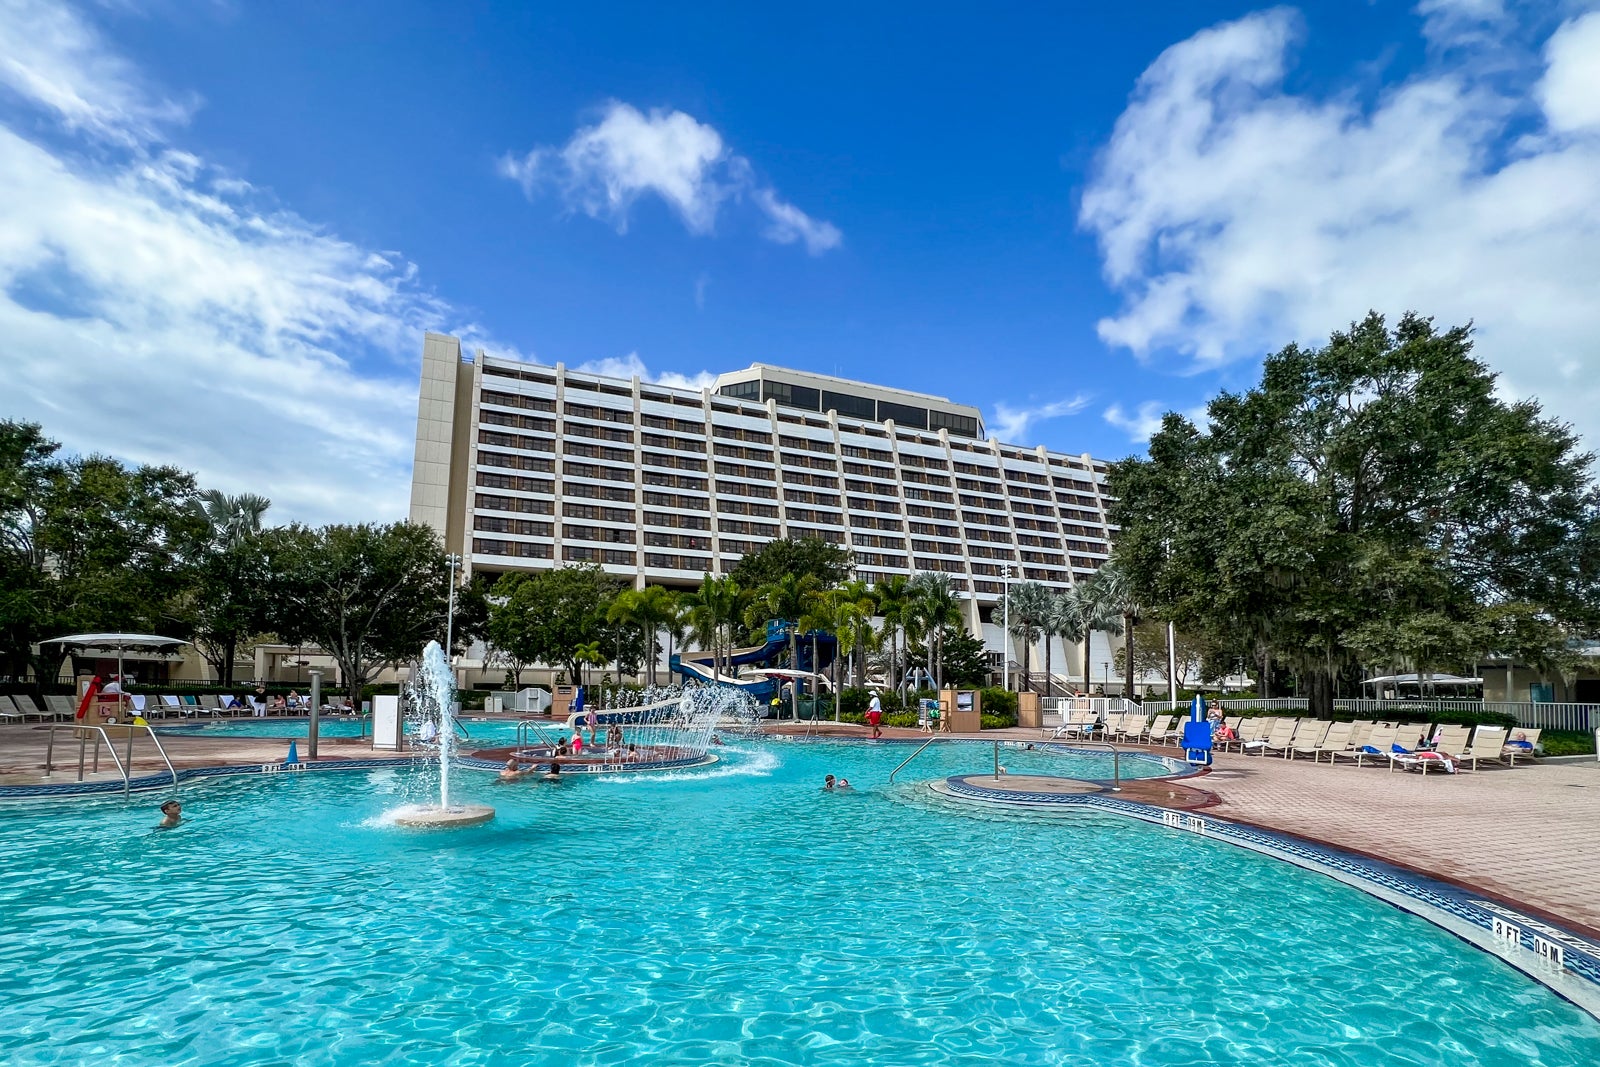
point(450, 616)
point(1005, 625)
point(1172, 664)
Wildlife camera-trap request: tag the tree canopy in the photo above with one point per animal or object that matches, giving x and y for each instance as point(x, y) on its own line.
point(828, 564)
point(369, 596)
point(1371, 502)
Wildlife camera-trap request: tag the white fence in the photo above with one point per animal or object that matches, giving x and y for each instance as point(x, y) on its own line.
point(1583, 717)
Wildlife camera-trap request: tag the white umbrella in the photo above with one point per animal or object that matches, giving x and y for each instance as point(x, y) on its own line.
point(117, 641)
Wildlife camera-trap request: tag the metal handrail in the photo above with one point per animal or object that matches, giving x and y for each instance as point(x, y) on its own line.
point(462, 730)
point(123, 769)
point(911, 757)
point(525, 726)
point(1116, 761)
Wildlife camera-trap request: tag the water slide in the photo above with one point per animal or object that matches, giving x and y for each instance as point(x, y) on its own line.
point(696, 666)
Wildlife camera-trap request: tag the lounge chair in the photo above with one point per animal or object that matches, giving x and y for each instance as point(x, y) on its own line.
point(1378, 746)
point(1488, 743)
point(1524, 743)
point(1451, 739)
point(1256, 740)
point(1335, 741)
point(1281, 737)
point(1242, 729)
point(172, 704)
point(60, 706)
point(191, 704)
point(1360, 730)
point(1130, 726)
point(1307, 738)
point(1115, 725)
point(1164, 729)
point(9, 712)
point(140, 705)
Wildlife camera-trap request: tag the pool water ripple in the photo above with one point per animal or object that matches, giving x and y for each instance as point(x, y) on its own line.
point(733, 914)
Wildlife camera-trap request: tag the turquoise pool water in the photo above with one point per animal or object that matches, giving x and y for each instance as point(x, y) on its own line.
point(733, 914)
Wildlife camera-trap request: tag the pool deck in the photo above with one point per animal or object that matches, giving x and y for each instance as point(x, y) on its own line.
point(1525, 835)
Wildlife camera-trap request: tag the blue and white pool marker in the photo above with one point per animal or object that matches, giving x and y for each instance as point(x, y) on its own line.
point(294, 755)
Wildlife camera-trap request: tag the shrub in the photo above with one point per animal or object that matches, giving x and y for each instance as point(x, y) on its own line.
point(1000, 703)
point(1567, 743)
point(996, 722)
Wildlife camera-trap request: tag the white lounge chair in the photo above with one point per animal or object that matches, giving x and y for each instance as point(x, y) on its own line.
point(9, 712)
point(60, 706)
point(1307, 738)
point(1335, 741)
point(1162, 729)
point(1488, 743)
point(1524, 743)
point(1281, 737)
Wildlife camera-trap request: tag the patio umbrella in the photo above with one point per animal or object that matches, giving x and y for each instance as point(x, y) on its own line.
point(120, 642)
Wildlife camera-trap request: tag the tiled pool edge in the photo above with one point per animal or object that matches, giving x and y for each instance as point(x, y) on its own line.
point(1457, 910)
point(151, 783)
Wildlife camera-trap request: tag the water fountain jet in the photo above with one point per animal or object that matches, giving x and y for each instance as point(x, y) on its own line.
point(436, 692)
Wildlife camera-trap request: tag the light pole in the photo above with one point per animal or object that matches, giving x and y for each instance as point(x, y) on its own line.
point(450, 615)
point(1005, 625)
point(1172, 664)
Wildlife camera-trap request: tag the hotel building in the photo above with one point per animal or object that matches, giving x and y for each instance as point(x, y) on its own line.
point(528, 467)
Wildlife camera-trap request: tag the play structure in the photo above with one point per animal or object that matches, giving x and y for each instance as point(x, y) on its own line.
point(764, 679)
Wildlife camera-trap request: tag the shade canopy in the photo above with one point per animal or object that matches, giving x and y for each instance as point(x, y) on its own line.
point(1417, 679)
point(115, 641)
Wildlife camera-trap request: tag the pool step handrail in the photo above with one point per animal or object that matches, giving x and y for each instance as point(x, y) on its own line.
point(911, 757)
point(1116, 760)
point(124, 769)
point(529, 725)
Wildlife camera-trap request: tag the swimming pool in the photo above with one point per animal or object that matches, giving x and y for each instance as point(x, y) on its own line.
point(730, 914)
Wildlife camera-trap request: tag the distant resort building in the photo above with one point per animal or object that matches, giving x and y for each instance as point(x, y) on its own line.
point(528, 467)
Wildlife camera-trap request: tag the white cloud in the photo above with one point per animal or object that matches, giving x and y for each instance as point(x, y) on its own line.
point(1457, 22)
point(51, 56)
point(1139, 425)
point(1010, 423)
point(1570, 89)
point(789, 224)
point(631, 365)
point(605, 168)
point(160, 311)
point(1235, 216)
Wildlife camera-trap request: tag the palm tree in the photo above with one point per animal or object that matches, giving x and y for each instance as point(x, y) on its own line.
point(830, 611)
point(674, 620)
point(226, 606)
point(713, 611)
point(648, 609)
point(785, 599)
point(1097, 618)
point(1113, 589)
point(588, 655)
point(894, 604)
point(858, 602)
point(1060, 620)
point(232, 519)
point(936, 607)
point(1030, 604)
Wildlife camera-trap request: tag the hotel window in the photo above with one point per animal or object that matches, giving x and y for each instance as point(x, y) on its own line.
point(794, 396)
point(859, 407)
point(743, 390)
point(903, 414)
point(960, 425)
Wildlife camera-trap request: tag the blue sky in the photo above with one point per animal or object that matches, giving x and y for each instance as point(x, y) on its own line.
point(223, 227)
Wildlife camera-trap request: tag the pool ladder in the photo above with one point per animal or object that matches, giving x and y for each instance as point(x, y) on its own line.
point(83, 733)
point(527, 726)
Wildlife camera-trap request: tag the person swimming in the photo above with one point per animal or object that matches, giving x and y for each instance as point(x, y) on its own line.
point(554, 773)
point(171, 815)
point(514, 772)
